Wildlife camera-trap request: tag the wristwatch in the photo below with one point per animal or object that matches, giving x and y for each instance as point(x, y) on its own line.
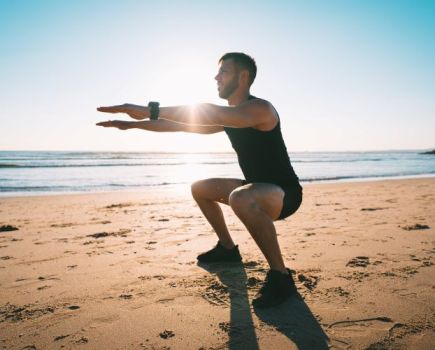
point(154, 110)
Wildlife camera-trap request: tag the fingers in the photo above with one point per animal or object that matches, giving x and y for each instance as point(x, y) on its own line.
point(109, 109)
point(120, 124)
point(106, 124)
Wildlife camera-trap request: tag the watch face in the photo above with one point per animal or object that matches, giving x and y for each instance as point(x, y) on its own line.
point(154, 110)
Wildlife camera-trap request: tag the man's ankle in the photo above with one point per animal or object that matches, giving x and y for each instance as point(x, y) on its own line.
point(227, 245)
point(283, 270)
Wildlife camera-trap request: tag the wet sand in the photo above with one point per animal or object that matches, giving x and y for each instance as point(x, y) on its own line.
point(118, 271)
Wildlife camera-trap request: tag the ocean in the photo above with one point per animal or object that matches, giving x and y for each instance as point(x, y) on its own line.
point(36, 172)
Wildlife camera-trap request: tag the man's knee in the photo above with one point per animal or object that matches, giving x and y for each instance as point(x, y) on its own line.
point(241, 200)
point(200, 189)
point(197, 189)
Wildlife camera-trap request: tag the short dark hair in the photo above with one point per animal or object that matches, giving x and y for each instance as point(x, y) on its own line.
point(242, 61)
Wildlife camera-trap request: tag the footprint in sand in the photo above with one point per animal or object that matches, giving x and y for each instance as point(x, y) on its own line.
point(217, 294)
point(119, 205)
point(356, 276)
point(364, 320)
point(73, 307)
point(337, 291)
point(50, 277)
point(225, 326)
point(6, 257)
point(359, 261)
point(344, 331)
point(309, 282)
point(14, 313)
point(43, 287)
point(400, 331)
point(68, 224)
point(82, 340)
point(126, 296)
point(415, 227)
point(167, 334)
point(407, 271)
point(100, 235)
point(372, 209)
point(120, 233)
point(60, 337)
point(7, 228)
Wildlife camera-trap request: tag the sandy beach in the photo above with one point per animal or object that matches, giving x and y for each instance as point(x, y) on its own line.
point(118, 271)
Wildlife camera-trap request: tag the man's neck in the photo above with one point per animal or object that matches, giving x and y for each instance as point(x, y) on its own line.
point(238, 98)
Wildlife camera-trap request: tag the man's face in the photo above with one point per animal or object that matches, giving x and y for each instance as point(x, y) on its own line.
point(227, 78)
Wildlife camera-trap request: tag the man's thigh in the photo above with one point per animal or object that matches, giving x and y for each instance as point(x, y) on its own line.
point(269, 197)
point(215, 189)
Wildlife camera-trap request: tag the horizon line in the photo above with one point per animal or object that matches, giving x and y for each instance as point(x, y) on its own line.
point(224, 152)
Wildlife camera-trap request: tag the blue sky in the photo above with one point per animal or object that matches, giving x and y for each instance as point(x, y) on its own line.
point(344, 75)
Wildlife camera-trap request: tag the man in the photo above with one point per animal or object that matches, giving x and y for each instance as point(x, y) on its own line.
point(270, 190)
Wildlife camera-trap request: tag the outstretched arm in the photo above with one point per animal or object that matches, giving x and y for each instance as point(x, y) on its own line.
point(252, 113)
point(160, 125)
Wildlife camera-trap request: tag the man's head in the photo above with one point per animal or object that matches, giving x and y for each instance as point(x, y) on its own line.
point(236, 70)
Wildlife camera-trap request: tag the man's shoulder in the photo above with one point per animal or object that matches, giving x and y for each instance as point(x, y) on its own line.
point(266, 110)
point(259, 101)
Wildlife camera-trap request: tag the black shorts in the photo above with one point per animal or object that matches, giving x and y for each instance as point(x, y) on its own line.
point(291, 202)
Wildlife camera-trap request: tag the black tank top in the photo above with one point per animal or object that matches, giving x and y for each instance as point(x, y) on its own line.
point(262, 155)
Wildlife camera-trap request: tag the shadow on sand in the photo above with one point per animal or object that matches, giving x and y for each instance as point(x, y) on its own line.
point(292, 318)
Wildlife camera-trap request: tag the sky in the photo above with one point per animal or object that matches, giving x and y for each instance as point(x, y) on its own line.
point(344, 75)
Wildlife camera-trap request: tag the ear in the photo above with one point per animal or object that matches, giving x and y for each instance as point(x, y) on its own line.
point(244, 77)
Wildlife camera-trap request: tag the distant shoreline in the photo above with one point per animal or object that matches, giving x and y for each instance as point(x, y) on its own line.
point(412, 150)
point(28, 173)
point(171, 189)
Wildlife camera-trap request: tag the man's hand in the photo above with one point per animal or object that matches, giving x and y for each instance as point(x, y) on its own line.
point(120, 124)
point(134, 111)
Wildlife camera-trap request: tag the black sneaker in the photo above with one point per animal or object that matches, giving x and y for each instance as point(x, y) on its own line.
point(276, 289)
point(220, 253)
